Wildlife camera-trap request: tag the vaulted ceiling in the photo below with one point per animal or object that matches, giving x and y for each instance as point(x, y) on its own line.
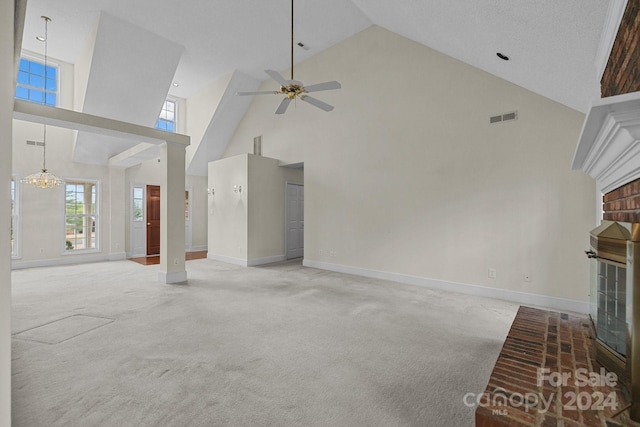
point(552, 45)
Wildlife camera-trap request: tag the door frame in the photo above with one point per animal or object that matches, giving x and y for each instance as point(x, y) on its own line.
point(286, 218)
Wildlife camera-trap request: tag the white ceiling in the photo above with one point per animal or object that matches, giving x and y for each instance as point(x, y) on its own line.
point(552, 44)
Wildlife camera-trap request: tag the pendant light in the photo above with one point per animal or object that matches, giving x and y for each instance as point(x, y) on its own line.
point(44, 179)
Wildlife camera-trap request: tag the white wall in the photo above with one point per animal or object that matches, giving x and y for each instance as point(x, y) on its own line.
point(228, 210)
point(248, 228)
point(7, 92)
point(266, 194)
point(407, 176)
point(149, 173)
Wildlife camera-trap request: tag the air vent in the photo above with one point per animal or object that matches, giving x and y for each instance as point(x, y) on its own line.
point(504, 117)
point(36, 143)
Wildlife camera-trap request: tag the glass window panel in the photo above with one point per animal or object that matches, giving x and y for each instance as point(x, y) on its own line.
point(22, 93)
point(137, 210)
point(36, 68)
point(51, 99)
point(170, 127)
point(51, 84)
point(170, 106)
point(24, 65)
point(171, 116)
point(36, 81)
point(35, 96)
point(51, 72)
point(23, 77)
point(137, 193)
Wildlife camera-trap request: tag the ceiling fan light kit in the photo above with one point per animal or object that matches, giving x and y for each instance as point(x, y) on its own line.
point(293, 89)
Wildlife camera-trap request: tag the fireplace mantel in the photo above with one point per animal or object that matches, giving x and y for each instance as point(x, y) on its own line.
point(609, 145)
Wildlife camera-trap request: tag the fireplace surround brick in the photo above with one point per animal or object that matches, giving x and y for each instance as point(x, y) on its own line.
point(563, 344)
point(623, 203)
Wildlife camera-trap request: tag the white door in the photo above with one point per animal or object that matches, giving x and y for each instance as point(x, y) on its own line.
point(295, 221)
point(138, 221)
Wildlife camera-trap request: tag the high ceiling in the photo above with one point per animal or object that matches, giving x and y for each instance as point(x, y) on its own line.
point(552, 44)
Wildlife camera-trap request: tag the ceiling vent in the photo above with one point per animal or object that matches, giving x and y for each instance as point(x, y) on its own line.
point(504, 117)
point(36, 143)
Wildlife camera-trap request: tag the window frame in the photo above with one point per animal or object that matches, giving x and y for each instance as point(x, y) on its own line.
point(98, 222)
point(40, 60)
point(175, 116)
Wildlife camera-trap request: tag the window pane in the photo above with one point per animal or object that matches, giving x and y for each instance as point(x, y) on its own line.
point(35, 96)
point(170, 127)
point(24, 65)
point(51, 72)
point(36, 68)
point(170, 116)
point(23, 77)
point(137, 210)
point(22, 93)
point(170, 106)
point(51, 84)
point(137, 193)
point(51, 99)
point(36, 81)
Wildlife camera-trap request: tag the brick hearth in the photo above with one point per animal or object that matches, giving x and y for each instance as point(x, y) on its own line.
point(562, 343)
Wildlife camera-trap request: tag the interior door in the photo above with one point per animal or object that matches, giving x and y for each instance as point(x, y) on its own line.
point(153, 219)
point(295, 221)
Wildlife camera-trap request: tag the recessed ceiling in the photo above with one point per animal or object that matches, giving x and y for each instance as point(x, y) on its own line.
point(551, 44)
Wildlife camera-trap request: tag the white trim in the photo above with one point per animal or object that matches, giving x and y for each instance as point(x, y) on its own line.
point(609, 33)
point(172, 277)
point(117, 256)
point(266, 260)
point(247, 262)
point(556, 303)
point(198, 248)
point(78, 259)
point(609, 145)
point(229, 260)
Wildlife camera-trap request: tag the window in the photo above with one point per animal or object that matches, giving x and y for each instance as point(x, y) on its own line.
point(31, 82)
point(81, 215)
point(167, 120)
point(14, 218)
point(138, 207)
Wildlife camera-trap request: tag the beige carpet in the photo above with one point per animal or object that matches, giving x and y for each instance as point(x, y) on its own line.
point(106, 345)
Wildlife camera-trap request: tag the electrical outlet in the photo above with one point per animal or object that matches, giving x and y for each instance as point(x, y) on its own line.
point(492, 273)
point(527, 277)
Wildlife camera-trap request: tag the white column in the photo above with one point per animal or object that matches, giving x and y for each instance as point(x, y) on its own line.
point(7, 90)
point(118, 214)
point(172, 204)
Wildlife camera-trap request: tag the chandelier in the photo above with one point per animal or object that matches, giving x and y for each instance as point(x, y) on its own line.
point(44, 179)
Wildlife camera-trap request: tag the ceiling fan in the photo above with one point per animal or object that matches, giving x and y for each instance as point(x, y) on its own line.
point(293, 89)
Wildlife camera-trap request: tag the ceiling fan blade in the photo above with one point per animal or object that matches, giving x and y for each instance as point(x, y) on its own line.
point(277, 77)
point(283, 106)
point(263, 92)
point(323, 86)
point(317, 103)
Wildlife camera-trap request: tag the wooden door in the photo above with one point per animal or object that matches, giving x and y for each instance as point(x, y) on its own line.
point(153, 219)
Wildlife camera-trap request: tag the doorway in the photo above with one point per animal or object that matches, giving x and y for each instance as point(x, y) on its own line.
point(295, 221)
point(153, 219)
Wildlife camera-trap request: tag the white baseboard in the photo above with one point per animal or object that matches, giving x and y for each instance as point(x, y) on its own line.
point(228, 260)
point(172, 277)
point(64, 260)
point(246, 262)
point(117, 256)
point(266, 260)
point(198, 248)
point(556, 303)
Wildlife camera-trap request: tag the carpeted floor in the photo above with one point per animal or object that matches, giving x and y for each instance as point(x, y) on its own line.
point(106, 345)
